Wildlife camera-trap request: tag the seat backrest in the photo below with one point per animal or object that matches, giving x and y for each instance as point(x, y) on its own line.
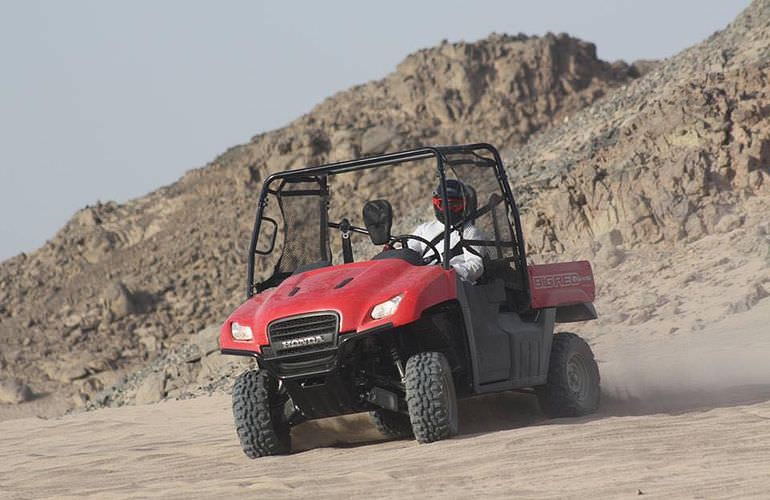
point(501, 269)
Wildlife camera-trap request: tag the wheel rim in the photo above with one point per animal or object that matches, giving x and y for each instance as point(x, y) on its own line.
point(578, 379)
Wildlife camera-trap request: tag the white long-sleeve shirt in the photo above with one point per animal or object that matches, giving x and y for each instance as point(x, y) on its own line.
point(468, 266)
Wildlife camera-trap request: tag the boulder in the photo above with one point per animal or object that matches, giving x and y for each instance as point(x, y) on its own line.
point(207, 340)
point(728, 222)
point(66, 370)
point(152, 389)
point(148, 339)
point(119, 300)
point(611, 238)
point(215, 365)
point(610, 256)
point(13, 391)
point(377, 139)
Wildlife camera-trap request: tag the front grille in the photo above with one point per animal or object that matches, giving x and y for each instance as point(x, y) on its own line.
point(306, 333)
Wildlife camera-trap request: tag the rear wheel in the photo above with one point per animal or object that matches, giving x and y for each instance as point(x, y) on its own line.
point(430, 397)
point(260, 420)
point(391, 423)
point(572, 388)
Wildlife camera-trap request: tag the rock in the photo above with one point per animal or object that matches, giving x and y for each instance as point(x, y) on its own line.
point(148, 340)
point(13, 391)
point(651, 299)
point(669, 310)
point(80, 399)
point(66, 370)
point(68, 373)
point(728, 223)
point(152, 389)
point(693, 227)
point(690, 277)
point(119, 300)
point(102, 361)
point(174, 394)
point(108, 378)
point(72, 320)
point(756, 293)
point(181, 375)
point(616, 317)
point(216, 365)
point(89, 386)
point(644, 66)
point(377, 140)
point(207, 340)
point(73, 336)
point(12, 355)
point(611, 256)
point(641, 316)
point(611, 238)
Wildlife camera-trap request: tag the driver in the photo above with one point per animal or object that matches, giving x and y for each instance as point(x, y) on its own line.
point(467, 261)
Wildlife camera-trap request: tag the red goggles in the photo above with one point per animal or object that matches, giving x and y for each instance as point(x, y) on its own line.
point(456, 205)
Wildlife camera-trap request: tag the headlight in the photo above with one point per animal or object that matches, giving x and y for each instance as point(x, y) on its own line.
point(241, 332)
point(387, 308)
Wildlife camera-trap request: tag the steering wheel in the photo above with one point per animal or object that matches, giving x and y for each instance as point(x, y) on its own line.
point(434, 256)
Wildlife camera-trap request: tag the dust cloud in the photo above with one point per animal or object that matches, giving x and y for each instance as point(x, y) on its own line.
point(725, 364)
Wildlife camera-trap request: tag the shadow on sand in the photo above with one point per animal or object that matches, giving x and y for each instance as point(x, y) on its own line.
point(513, 410)
point(480, 414)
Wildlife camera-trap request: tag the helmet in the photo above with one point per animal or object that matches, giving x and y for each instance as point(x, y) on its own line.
point(461, 198)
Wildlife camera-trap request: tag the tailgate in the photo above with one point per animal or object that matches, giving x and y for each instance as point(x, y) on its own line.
point(561, 284)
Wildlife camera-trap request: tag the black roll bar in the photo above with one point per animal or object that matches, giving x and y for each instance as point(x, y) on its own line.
point(438, 152)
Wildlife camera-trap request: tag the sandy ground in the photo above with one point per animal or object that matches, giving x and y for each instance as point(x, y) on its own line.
point(671, 426)
point(186, 449)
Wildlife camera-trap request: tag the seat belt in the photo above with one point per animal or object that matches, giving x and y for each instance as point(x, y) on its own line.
point(457, 249)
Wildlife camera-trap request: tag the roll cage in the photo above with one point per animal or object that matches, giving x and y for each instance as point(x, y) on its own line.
point(312, 181)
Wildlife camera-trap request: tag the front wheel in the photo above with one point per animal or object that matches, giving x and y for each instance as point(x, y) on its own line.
point(430, 397)
point(260, 419)
point(572, 387)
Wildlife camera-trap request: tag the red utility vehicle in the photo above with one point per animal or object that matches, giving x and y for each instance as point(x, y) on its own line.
point(390, 331)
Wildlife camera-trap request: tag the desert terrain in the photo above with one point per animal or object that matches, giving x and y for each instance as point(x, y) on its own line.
point(656, 171)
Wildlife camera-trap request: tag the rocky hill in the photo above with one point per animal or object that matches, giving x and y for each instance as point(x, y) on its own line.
point(669, 157)
point(606, 161)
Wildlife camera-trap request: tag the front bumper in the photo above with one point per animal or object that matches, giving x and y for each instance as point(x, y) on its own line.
point(313, 378)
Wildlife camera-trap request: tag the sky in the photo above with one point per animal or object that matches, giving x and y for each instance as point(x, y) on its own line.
point(107, 100)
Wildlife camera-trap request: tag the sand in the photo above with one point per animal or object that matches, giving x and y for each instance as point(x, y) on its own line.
point(186, 449)
point(678, 431)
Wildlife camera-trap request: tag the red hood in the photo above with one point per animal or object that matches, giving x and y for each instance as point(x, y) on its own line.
point(351, 290)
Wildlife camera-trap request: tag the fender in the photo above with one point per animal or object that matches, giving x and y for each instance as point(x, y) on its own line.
point(349, 290)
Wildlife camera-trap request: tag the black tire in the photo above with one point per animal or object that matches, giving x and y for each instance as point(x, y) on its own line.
point(572, 387)
point(258, 409)
point(392, 424)
point(431, 397)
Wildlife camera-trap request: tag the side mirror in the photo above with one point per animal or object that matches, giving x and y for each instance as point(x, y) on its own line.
point(378, 219)
point(266, 236)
